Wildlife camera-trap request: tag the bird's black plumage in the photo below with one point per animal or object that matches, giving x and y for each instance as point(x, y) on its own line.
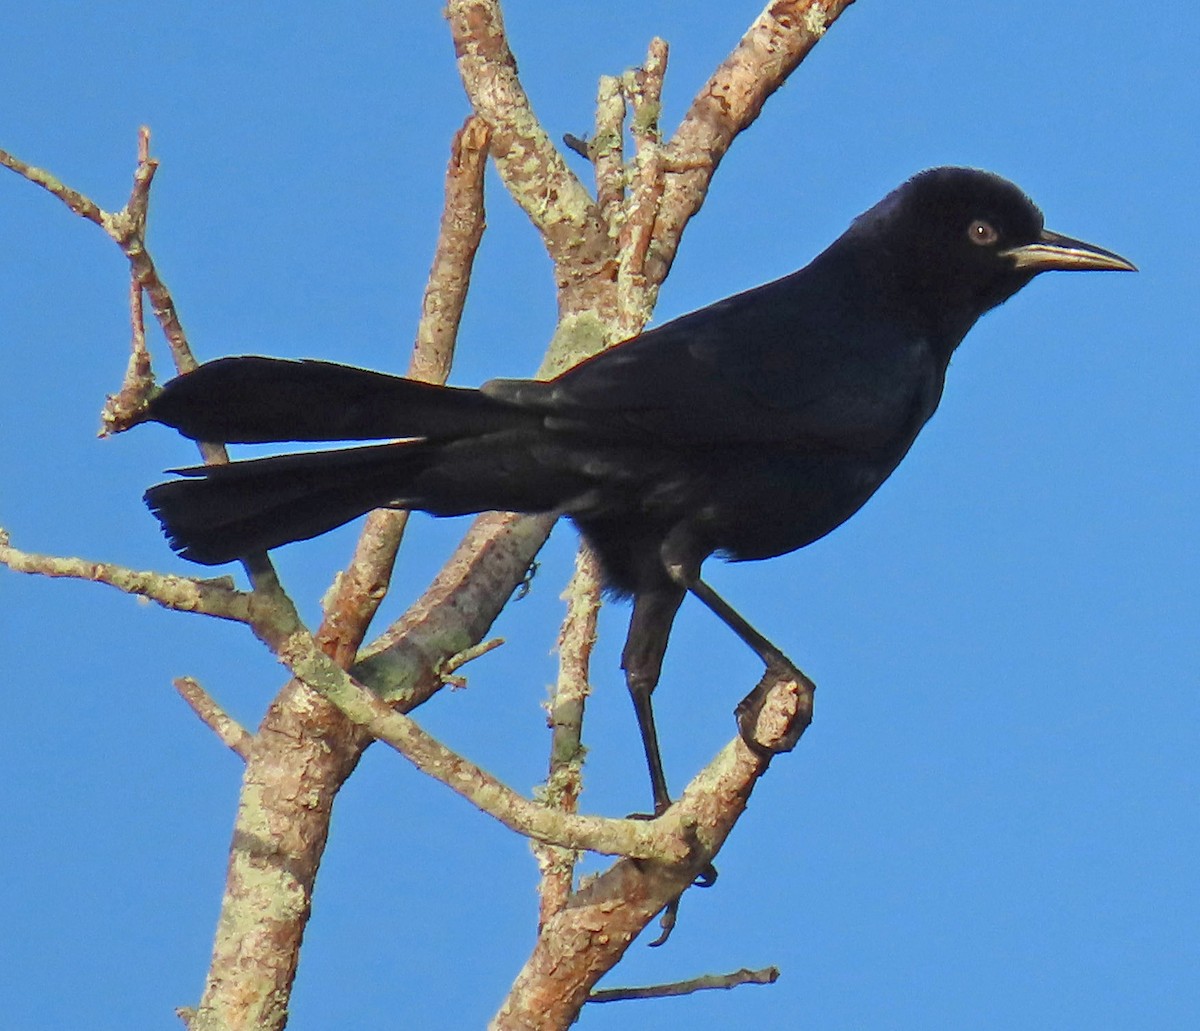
point(749, 428)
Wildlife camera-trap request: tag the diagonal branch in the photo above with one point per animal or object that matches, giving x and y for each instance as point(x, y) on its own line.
point(588, 937)
point(232, 733)
point(533, 169)
point(769, 51)
point(216, 597)
point(359, 590)
point(767, 975)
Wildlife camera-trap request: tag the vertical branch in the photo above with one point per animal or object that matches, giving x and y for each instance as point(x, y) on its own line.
point(607, 150)
point(121, 408)
point(635, 291)
point(566, 707)
point(306, 747)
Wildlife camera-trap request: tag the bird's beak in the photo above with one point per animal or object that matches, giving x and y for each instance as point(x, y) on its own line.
point(1053, 251)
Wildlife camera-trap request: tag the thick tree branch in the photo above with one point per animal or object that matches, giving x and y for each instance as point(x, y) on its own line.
point(309, 746)
point(591, 933)
point(535, 172)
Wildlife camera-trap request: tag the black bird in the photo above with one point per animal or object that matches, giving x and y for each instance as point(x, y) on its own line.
point(747, 429)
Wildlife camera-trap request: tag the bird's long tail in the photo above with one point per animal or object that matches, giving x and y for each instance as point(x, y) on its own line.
point(253, 400)
point(467, 453)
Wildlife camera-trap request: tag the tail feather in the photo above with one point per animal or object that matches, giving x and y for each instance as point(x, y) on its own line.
point(220, 513)
point(249, 399)
point(462, 452)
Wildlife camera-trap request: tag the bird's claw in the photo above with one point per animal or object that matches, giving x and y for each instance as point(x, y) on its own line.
point(749, 709)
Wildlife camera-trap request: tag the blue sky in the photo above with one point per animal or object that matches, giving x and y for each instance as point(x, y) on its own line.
point(993, 821)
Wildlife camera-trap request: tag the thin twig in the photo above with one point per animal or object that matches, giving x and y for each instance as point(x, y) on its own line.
point(217, 597)
point(445, 670)
point(229, 730)
point(122, 409)
point(128, 228)
point(82, 205)
point(766, 975)
point(565, 782)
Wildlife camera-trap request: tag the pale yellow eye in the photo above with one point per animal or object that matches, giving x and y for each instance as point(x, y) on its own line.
point(982, 233)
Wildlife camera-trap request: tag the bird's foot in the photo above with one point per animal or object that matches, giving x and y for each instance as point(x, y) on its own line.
point(705, 878)
point(763, 736)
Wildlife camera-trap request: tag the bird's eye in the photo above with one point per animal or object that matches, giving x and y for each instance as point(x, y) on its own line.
point(982, 233)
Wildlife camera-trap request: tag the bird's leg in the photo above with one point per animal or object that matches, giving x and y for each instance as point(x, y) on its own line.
point(733, 619)
point(681, 556)
point(687, 575)
point(649, 628)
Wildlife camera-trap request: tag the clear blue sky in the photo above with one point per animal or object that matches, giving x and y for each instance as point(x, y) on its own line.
point(993, 822)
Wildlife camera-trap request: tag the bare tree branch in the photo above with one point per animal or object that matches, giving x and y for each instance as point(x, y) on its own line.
point(565, 782)
point(214, 717)
point(217, 597)
point(607, 150)
point(121, 409)
point(777, 41)
point(313, 747)
point(83, 206)
point(767, 975)
point(446, 670)
point(535, 172)
point(461, 231)
point(355, 596)
point(591, 933)
point(610, 256)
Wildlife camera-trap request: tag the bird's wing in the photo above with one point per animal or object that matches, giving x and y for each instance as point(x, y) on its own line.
point(771, 364)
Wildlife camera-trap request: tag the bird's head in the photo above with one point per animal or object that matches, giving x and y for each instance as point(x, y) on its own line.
point(955, 242)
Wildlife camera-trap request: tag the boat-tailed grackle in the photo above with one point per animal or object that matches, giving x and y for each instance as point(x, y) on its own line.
point(747, 429)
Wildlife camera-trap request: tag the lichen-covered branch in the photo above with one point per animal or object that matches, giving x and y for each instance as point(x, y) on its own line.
point(589, 935)
point(565, 711)
point(308, 746)
point(216, 597)
point(232, 733)
point(358, 591)
point(535, 172)
point(610, 255)
point(769, 51)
